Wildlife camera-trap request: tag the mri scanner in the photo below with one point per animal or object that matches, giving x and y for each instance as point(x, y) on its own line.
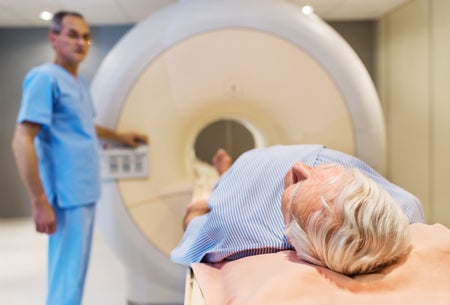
point(281, 74)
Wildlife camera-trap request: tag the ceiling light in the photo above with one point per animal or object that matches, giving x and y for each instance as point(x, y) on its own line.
point(307, 9)
point(47, 16)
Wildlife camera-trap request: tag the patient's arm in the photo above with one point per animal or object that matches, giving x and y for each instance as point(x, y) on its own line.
point(199, 206)
point(195, 208)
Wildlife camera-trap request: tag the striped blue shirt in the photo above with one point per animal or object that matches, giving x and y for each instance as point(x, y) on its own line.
point(245, 217)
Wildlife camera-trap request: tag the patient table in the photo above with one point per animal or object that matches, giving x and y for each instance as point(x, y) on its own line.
point(423, 277)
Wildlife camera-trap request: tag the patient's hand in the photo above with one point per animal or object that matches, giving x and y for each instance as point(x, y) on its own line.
point(195, 208)
point(221, 161)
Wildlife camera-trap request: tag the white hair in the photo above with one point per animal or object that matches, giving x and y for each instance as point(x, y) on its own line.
point(359, 231)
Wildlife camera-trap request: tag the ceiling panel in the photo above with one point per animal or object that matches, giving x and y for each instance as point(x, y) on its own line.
point(351, 9)
point(24, 13)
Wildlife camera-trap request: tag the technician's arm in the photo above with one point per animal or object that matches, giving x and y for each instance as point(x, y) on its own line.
point(27, 164)
point(131, 139)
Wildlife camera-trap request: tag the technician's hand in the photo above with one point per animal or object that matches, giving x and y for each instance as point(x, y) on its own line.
point(44, 217)
point(133, 139)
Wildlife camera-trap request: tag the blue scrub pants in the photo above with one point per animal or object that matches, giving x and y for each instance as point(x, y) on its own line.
point(68, 254)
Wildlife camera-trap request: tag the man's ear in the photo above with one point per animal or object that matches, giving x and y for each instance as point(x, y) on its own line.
point(52, 36)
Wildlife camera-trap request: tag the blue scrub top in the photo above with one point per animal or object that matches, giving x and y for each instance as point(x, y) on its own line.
point(67, 143)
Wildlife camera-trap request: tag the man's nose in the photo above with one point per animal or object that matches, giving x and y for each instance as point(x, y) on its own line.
point(300, 172)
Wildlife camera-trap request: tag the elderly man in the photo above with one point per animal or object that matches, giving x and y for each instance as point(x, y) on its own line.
point(332, 208)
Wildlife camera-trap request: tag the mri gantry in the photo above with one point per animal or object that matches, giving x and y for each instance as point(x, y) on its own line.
point(246, 74)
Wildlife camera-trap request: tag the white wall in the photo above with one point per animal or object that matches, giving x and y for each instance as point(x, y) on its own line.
point(413, 78)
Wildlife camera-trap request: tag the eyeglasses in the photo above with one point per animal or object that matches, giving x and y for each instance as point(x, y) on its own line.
point(75, 36)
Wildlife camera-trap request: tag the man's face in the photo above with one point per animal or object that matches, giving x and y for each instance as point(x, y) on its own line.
point(73, 42)
point(303, 188)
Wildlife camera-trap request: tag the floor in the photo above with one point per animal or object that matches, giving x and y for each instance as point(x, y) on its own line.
point(23, 268)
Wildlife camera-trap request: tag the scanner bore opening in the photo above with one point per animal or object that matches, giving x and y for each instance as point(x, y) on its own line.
point(229, 134)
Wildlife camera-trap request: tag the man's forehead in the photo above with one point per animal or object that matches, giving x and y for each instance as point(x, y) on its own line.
point(74, 23)
point(329, 168)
